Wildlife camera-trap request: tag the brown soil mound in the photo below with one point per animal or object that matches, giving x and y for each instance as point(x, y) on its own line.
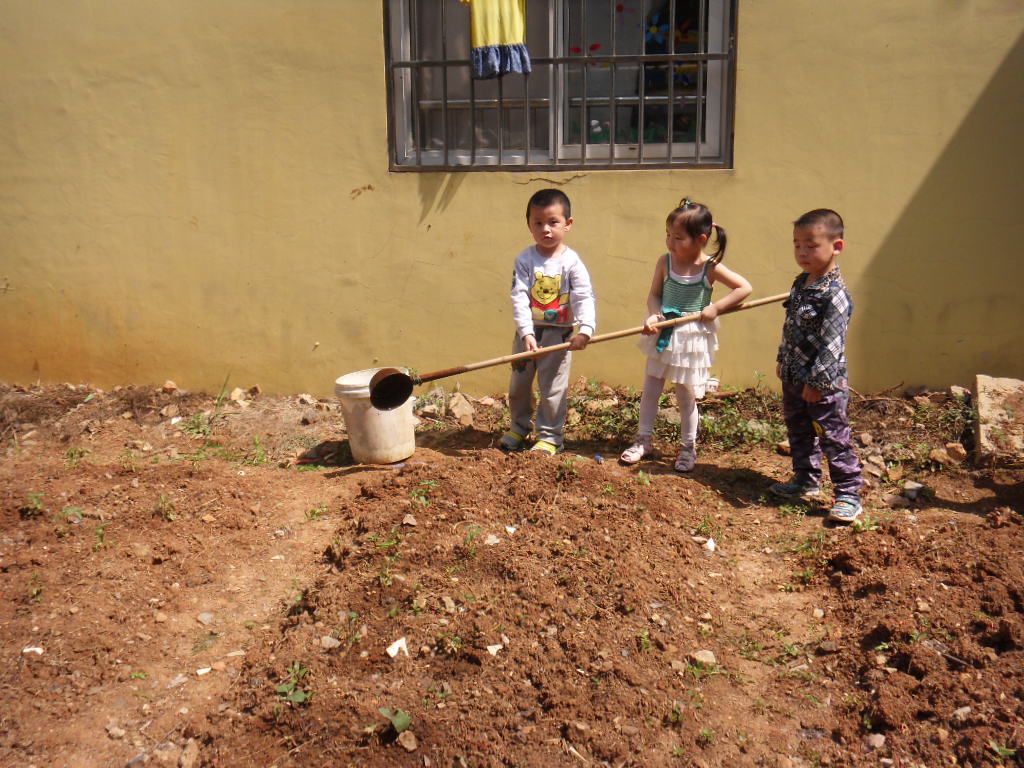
point(179, 590)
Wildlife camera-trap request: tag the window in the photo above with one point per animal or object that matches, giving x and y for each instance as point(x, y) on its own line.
point(614, 84)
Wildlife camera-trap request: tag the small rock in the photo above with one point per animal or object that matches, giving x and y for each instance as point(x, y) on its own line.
point(941, 734)
point(895, 472)
point(959, 392)
point(190, 756)
point(961, 714)
point(409, 520)
point(865, 438)
point(629, 730)
point(705, 657)
point(160, 617)
point(169, 386)
point(939, 456)
point(114, 731)
point(205, 618)
point(818, 613)
point(237, 394)
point(460, 407)
point(449, 604)
point(912, 489)
point(956, 452)
point(329, 643)
point(407, 740)
point(874, 741)
point(489, 402)
point(828, 647)
point(922, 605)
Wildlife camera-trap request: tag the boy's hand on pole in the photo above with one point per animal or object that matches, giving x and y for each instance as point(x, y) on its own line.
point(530, 342)
point(579, 341)
point(811, 395)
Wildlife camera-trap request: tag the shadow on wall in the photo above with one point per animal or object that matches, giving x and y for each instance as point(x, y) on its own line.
point(947, 284)
point(437, 190)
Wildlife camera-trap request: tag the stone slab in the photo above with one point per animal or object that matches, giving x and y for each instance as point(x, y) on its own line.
point(999, 436)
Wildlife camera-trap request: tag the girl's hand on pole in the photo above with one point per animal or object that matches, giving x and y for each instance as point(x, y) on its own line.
point(578, 342)
point(709, 313)
point(649, 324)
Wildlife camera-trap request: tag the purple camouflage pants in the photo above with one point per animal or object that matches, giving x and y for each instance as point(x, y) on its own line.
point(817, 428)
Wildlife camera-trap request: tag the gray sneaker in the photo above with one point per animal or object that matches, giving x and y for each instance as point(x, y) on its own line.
point(845, 509)
point(795, 489)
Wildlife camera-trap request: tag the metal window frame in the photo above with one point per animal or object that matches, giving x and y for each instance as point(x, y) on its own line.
point(403, 87)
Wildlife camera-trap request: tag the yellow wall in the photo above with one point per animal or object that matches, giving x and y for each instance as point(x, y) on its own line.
point(197, 189)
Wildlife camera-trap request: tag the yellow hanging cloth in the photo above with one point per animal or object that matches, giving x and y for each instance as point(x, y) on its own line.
point(498, 37)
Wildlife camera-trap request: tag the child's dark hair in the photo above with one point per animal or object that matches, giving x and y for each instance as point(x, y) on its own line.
point(828, 219)
point(696, 220)
point(542, 198)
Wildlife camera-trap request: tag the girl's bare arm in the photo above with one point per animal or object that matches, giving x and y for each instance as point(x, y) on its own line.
point(740, 290)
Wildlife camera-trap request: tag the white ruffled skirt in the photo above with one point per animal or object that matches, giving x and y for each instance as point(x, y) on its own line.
point(688, 357)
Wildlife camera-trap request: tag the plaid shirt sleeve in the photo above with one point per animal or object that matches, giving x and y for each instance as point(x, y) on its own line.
point(828, 366)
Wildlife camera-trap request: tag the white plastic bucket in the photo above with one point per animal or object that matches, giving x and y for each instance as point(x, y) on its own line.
point(375, 437)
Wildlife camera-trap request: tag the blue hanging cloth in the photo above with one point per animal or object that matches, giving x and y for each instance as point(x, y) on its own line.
point(498, 38)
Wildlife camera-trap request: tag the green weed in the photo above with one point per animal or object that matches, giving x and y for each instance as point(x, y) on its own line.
point(35, 588)
point(165, 508)
point(400, 719)
point(34, 505)
point(73, 457)
point(316, 512)
point(292, 690)
point(258, 455)
point(421, 493)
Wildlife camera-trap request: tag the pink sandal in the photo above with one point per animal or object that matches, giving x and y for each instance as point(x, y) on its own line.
point(636, 451)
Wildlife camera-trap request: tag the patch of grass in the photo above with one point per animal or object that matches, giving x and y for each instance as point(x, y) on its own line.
point(74, 456)
point(643, 641)
point(101, 536)
point(35, 588)
point(468, 546)
point(706, 737)
point(258, 455)
point(866, 523)
point(34, 505)
point(204, 642)
point(316, 512)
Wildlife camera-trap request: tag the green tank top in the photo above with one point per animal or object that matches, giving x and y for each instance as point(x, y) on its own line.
point(685, 298)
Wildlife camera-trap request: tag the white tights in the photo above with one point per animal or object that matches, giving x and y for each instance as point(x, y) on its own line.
point(653, 387)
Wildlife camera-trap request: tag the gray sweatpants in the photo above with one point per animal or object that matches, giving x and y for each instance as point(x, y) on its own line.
point(552, 374)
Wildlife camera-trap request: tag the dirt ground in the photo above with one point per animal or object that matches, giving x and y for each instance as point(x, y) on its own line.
point(195, 581)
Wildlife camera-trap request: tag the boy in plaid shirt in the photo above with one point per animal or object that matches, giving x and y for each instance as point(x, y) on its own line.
point(812, 367)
